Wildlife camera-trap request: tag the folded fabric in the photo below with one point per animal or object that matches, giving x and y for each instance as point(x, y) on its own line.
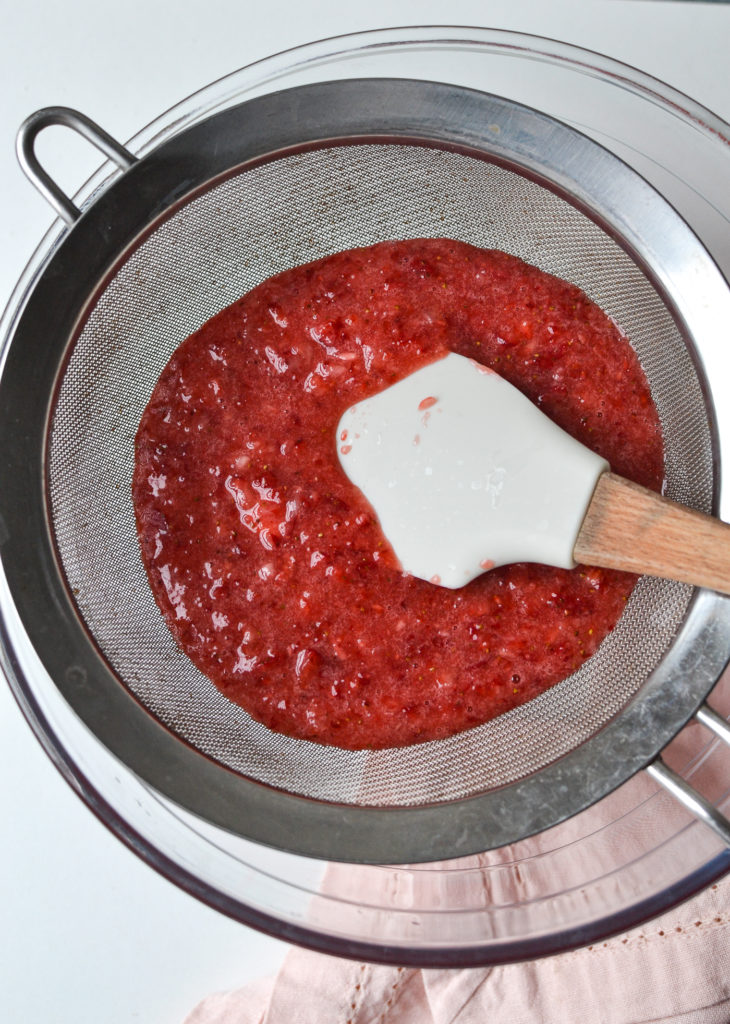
point(677, 968)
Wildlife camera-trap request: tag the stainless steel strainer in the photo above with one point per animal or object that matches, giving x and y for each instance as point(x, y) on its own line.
point(251, 191)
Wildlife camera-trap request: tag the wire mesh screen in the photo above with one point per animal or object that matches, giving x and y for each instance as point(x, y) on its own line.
point(262, 221)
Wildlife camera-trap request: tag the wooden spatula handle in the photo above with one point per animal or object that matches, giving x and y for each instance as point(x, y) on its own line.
point(629, 527)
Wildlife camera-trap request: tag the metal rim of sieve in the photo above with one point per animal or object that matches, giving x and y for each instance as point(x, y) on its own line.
point(100, 240)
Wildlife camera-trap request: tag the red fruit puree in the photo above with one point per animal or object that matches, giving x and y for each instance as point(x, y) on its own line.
point(269, 566)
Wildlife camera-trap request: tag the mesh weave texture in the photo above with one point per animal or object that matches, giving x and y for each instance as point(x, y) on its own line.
point(220, 245)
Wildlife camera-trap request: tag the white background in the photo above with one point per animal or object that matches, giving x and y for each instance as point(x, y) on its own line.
point(87, 932)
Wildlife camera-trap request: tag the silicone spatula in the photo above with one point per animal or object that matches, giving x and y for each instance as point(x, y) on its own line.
point(464, 474)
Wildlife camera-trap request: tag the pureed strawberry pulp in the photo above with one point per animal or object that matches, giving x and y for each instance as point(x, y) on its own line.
point(268, 565)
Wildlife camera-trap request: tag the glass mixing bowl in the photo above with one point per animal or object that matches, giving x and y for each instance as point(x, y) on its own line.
point(630, 857)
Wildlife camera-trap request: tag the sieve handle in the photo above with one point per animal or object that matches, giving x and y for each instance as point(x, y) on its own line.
point(84, 126)
point(631, 528)
point(681, 790)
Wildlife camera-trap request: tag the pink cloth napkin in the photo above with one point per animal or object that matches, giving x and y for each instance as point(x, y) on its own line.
point(677, 968)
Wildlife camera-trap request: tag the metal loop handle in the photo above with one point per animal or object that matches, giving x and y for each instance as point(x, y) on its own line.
point(25, 148)
point(698, 805)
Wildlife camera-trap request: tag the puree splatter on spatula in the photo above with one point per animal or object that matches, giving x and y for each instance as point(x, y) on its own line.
point(266, 562)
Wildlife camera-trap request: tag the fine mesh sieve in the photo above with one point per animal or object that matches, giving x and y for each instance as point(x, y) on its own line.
point(411, 173)
point(214, 249)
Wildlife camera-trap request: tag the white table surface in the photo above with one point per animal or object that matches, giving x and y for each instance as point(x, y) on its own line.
point(88, 933)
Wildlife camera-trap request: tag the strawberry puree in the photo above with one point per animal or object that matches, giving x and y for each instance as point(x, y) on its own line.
point(268, 565)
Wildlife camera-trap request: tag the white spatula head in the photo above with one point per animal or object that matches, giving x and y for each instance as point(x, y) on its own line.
point(465, 473)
